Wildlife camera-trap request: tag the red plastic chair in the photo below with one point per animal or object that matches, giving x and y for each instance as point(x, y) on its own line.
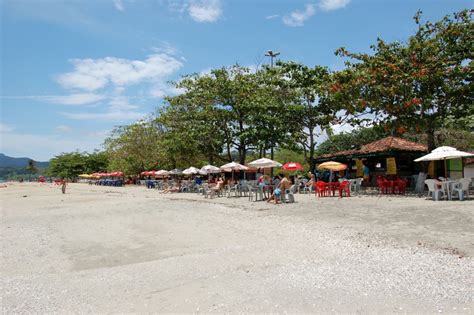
point(383, 185)
point(400, 185)
point(346, 188)
point(321, 189)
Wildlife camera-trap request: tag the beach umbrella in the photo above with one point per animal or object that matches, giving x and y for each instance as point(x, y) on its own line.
point(191, 171)
point(162, 173)
point(233, 166)
point(116, 174)
point(176, 172)
point(333, 166)
point(208, 170)
point(264, 163)
point(292, 166)
point(444, 153)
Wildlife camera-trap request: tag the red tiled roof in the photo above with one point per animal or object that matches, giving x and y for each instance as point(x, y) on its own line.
point(382, 145)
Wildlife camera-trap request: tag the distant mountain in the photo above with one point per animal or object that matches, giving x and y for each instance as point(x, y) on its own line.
point(8, 161)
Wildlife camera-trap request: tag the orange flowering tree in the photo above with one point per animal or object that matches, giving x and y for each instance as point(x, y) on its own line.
point(417, 86)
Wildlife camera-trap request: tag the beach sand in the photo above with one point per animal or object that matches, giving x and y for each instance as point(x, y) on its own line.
point(114, 249)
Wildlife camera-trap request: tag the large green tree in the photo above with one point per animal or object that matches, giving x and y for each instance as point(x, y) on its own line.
point(67, 165)
point(228, 110)
point(134, 148)
point(420, 85)
point(311, 110)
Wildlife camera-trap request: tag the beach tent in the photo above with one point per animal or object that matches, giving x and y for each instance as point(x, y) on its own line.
point(444, 153)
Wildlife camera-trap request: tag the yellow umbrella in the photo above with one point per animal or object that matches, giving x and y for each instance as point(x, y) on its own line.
point(333, 166)
point(86, 176)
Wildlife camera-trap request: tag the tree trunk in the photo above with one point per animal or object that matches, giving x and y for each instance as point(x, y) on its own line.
point(271, 157)
point(242, 155)
point(229, 155)
point(430, 139)
point(311, 151)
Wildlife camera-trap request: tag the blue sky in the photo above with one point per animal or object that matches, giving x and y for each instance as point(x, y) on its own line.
point(72, 70)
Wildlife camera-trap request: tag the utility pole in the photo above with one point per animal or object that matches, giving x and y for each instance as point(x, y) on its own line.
point(272, 55)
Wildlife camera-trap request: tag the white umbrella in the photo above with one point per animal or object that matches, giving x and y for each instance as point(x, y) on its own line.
point(233, 166)
point(210, 169)
point(191, 171)
point(162, 173)
point(444, 153)
point(175, 171)
point(264, 163)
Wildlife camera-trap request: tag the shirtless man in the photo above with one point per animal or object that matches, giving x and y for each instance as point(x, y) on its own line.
point(280, 191)
point(219, 186)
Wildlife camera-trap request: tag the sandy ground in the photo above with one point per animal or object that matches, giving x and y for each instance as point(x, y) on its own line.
point(99, 249)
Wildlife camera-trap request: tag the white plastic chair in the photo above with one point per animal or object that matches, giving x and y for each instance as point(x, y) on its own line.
point(356, 184)
point(289, 194)
point(255, 193)
point(462, 188)
point(433, 190)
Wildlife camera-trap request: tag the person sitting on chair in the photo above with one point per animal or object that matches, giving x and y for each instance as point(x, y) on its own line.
point(311, 182)
point(279, 192)
point(218, 187)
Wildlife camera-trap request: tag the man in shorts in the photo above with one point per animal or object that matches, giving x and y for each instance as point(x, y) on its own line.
point(279, 192)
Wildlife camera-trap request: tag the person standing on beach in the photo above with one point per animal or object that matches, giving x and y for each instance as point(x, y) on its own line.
point(63, 187)
point(366, 171)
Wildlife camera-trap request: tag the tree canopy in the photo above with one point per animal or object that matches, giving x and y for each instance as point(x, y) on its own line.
point(420, 89)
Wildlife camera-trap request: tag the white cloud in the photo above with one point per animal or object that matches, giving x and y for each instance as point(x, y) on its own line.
point(94, 74)
point(297, 18)
point(121, 103)
point(118, 109)
point(62, 129)
point(328, 5)
point(269, 17)
point(204, 11)
point(4, 128)
point(74, 99)
point(104, 81)
point(98, 134)
point(118, 5)
point(111, 115)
